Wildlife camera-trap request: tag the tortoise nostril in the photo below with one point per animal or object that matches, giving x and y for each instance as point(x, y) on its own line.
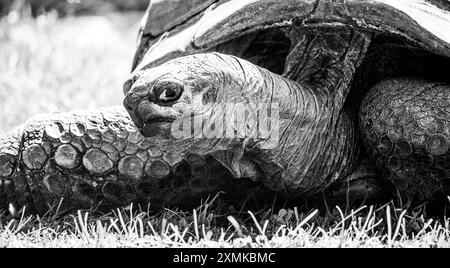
point(168, 92)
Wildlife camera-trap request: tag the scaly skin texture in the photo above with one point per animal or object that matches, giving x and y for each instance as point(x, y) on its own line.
point(405, 125)
point(99, 158)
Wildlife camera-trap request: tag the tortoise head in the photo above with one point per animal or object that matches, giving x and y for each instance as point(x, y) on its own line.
point(177, 90)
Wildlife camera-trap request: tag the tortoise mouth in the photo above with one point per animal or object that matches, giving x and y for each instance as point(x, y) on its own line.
point(157, 126)
point(152, 119)
point(159, 119)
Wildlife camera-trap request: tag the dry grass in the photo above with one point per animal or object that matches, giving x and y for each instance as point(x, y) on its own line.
point(51, 64)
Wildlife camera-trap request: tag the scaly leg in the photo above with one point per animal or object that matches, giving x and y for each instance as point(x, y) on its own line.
point(405, 126)
point(98, 157)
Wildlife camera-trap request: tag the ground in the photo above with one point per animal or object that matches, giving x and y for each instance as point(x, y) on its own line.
point(49, 64)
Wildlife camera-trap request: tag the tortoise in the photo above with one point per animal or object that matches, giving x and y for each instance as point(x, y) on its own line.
point(354, 96)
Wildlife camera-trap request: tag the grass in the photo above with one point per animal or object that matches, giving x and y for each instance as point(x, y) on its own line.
point(212, 226)
point(49, 64)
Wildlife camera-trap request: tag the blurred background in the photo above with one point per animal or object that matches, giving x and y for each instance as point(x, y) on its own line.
point(62, 55)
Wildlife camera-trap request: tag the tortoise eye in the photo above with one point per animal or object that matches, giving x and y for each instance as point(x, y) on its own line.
point(168, 92)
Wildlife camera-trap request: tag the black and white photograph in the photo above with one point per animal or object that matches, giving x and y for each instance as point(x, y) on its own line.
point(224, 125)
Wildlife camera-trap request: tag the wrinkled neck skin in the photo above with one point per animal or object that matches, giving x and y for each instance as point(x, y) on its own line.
point(319, 145)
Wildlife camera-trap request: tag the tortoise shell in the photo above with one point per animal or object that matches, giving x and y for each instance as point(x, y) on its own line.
point(173, 28)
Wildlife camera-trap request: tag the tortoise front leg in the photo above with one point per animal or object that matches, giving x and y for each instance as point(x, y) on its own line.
point(406, 131)
point(97, 158)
